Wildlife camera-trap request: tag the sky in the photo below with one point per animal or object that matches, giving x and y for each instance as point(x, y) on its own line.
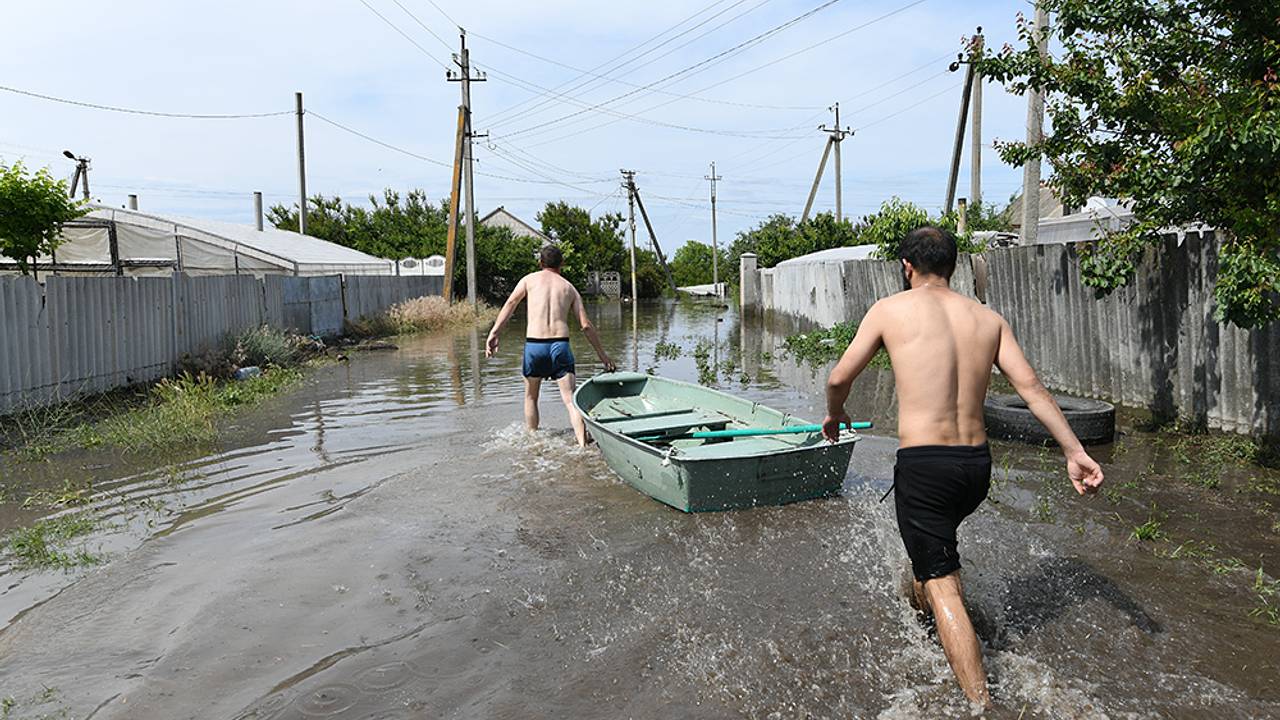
point(575, 91)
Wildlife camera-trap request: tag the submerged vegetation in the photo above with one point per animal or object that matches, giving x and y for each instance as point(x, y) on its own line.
point(823, 346)
point(47, 544)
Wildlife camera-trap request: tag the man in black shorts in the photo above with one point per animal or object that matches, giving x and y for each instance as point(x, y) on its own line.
point(943, 346)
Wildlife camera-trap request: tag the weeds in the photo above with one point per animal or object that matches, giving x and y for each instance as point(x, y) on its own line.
point(1268, 594)
point(1151, 529)
point(664, 350)
point(702, 358)
point(822, 346)
point(1043, 510)
point(44, 544)
point(420, 315)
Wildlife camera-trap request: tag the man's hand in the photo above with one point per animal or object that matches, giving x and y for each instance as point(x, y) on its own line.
point(1085, 474)
point(491, 345)
point(609, 366)
point(831, 426)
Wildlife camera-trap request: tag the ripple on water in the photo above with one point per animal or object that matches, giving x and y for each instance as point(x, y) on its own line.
point(328, 700)
point(386, 676)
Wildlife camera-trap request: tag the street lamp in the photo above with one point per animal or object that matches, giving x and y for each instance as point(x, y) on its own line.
point(81, 175)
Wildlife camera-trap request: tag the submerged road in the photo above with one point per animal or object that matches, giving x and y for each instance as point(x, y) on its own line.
point(388, 542)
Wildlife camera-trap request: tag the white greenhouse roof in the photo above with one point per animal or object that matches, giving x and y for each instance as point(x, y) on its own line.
point(840, 254)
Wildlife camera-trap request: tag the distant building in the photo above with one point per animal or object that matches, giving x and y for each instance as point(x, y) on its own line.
point(501, 217)
point(1050, 207)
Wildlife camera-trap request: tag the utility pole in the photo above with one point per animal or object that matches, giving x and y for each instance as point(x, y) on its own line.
point(653, 240)
point(81, 174)
point(302, 169)
point(455, 193)
point(958, 148)
point(463, 75)
point(838, 134)
point(835, 136)
point(257, 210)
point(629, 182)
point(715, 247)
point(975, 137)
point(1035, 135)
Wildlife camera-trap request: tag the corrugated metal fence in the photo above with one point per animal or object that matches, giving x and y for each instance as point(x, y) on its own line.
point(78, 335)
point(1152, 344)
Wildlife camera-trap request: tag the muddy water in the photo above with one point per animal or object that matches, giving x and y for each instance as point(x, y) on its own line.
point(387, 542)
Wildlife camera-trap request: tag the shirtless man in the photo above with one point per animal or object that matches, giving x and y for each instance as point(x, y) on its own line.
point(942, 345)
point(546, 347)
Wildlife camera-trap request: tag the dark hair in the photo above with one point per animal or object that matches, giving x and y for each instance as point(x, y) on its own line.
point(930, 250)
point(550, 257)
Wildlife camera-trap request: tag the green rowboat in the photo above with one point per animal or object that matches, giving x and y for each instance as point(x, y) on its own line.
point(667, 439)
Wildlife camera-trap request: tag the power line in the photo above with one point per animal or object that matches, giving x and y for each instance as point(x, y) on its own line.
point(718, 57)
point(405, 35)
point(134, 111)
point(445, 14)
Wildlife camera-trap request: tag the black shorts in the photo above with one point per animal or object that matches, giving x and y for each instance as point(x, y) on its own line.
point(935, 487)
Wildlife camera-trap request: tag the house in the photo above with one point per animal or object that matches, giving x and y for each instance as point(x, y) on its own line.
point(501, 217)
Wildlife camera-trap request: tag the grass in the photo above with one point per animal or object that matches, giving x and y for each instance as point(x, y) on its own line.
point(702, 358)
point(823, 346)
point(422, 315)
point(45, 544)
point(1149, 531)
point(1267, 592)
point(1043, 510)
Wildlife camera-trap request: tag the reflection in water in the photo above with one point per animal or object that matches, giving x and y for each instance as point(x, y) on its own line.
point(390, 542)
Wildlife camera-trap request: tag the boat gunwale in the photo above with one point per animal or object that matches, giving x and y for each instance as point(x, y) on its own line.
point(675, 456)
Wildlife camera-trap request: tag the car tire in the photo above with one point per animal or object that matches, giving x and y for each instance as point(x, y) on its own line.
point(1007, 418)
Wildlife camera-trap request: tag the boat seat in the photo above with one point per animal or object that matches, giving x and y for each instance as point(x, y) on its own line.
point(644, 416)
point(670, 424)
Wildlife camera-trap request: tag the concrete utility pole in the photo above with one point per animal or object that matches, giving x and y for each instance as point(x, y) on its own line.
point(715, 247)
point(463, 75)
point(257, 210)
point(302, 169)
point(813, 191)
point(958, 149)
point(975, 136)
point(81, 174)
point(653, 240)
point(838, 134)
point(629, 182)
point(1035, 135)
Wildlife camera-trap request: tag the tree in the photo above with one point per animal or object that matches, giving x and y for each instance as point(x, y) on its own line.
point(887, 227)
point(398, 227)
point(780, 238)
point(1174, 108)
point(691, 265)
point(33, 209)
point(588, 245)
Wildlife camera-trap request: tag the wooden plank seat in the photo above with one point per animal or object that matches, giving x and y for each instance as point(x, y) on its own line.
point(670, 424)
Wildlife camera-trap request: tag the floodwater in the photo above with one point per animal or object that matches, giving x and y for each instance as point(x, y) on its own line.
point(388, 542)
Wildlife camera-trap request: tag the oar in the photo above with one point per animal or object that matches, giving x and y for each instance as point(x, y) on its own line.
point(749, 432)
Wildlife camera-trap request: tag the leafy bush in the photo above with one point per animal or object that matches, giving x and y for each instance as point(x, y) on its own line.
point(822, 346)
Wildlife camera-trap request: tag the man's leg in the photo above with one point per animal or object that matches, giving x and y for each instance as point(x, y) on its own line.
point(567, 384)
point(531, 387)
point(959, 641)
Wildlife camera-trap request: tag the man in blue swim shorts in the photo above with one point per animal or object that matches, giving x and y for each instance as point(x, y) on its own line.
point(547, 355)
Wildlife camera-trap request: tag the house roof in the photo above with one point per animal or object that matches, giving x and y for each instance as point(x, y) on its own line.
point(502, 217)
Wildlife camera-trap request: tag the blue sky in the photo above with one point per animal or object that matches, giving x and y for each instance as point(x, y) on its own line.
point(754, 111)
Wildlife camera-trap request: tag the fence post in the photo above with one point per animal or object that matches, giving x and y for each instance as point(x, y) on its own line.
point(748, 282)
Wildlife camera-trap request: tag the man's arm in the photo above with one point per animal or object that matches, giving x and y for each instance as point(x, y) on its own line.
point(865, 343)
point(508, 309)
point(1085, 474)
point(590, 331)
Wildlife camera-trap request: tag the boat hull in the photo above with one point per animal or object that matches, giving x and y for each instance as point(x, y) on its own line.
point(719, 477)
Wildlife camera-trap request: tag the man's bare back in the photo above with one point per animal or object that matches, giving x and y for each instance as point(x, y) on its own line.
point(547, 355)
point(943, 346)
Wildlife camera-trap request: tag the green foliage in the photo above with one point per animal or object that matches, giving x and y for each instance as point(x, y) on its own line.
point(691, 265)
point(822, 346)
point(889, 225)
point(780, 238)
point(33, 208)
point(588, 245)
point(663, 350)
point(1174, 108)
point(398, 227)
point(266, 346)
point(44, 544)
point(650, 280)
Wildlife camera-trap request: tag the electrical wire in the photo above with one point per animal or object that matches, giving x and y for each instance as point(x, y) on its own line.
point(405, 35)
point(134, 111)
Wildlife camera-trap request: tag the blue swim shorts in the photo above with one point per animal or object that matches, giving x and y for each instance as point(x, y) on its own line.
point(548, 358)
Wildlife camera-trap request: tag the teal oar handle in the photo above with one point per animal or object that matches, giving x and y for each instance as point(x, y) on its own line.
point(749, 432)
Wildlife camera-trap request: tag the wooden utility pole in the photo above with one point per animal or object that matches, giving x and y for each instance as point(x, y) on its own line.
point(463, 75)
point(653, 237)
point(836, 135)
point(715, 247)
point(975, 123)
point(958, 147)
point(455, 192)
point(629, 177)
point(302, 169)
point(1035, 135)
